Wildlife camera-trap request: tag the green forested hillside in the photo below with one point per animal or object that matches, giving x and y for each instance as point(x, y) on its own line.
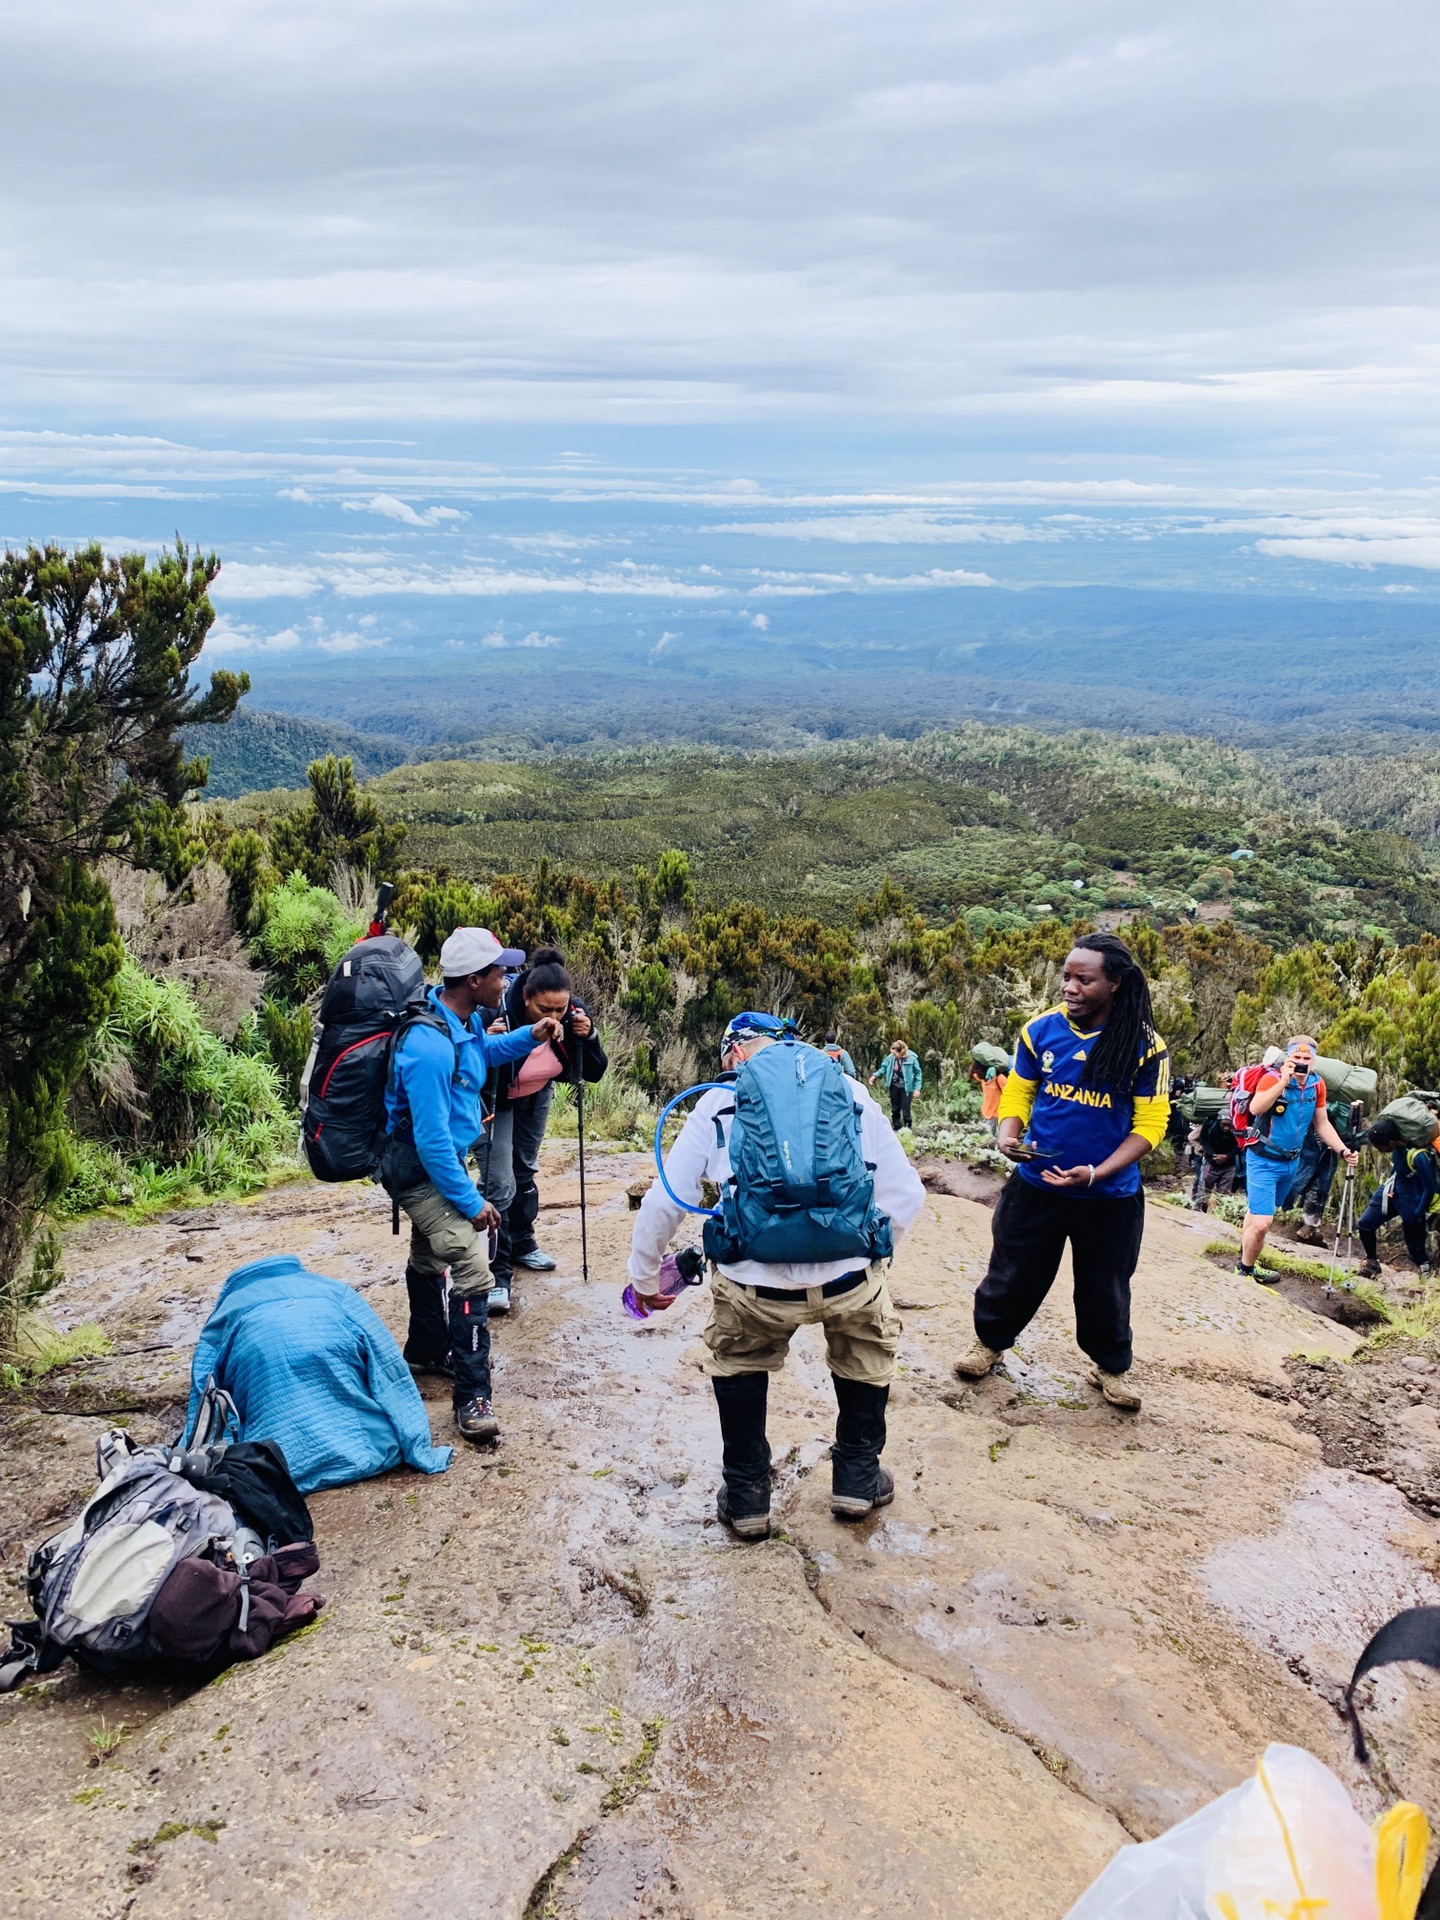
point(258, 749)
point(1001, 825)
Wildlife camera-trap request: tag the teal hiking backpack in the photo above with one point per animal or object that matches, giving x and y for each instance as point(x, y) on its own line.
point(800, 1187)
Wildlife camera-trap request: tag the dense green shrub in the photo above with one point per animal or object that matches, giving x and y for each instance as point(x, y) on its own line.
point(304, 932)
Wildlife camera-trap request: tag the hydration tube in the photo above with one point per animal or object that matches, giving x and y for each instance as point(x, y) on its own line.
point(705, 1086)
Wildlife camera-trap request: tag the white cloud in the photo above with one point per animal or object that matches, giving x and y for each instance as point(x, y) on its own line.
point(350, 642)
point(666, 641)
point(1420, 551)
point(890, 529)
point(299, 494)
point(936, 577)
point(228, 636)
point(247, 580)
point(761, 623)
point(389, 508)
point(541, 640)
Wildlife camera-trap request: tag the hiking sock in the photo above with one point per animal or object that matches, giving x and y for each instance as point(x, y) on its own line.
point(428, 1337)
point(470, 1345)
point(1240, 1267)
point(741, 1401)
point(859, 1437)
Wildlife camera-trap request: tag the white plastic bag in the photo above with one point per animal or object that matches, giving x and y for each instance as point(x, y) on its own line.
point(1287, 1845)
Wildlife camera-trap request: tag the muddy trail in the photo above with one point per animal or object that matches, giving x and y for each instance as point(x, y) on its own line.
point(547, 1684)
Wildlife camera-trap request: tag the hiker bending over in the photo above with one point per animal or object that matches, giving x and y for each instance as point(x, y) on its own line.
point(519, 1101)
point(1091, 1092)
point(1286, 1102)
point(757, 1303)
point(900, 1070)
point(433, 1108)
point(1411, 1195)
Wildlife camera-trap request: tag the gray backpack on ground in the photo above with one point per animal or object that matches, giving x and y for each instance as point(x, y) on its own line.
point(92, 1585)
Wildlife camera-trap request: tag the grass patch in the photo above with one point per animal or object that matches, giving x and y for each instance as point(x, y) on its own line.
point(102, 1739)
point(635, 1776)
point(38, 1348)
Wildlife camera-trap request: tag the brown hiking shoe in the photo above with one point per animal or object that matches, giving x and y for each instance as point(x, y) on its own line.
point(977, 1360)
point(1117, 1388)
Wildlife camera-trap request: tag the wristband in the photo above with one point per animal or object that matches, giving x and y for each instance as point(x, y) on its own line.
point(1091, 1181)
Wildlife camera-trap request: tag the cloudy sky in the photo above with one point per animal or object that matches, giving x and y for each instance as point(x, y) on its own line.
point(866, 259)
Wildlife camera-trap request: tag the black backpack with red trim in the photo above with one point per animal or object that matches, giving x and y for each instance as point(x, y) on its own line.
point(374, 996)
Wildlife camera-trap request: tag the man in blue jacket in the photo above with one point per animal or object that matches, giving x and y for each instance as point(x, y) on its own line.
point(433, 1107)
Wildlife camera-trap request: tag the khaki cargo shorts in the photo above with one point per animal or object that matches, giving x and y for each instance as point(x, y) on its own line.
point(749, 1335)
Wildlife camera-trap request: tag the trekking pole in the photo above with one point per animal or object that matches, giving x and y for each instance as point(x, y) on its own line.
point(1344, 1223)
point(580, 1128)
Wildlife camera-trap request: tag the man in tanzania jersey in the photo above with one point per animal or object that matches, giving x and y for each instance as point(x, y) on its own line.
point(1091, 1094)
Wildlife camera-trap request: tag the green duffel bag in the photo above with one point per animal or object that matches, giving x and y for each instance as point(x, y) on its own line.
point(1344, 1082)
point(1203, 1103)
point(986, 1055)
point(1416, 1121)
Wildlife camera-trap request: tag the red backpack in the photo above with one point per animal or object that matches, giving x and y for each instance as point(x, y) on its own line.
point(1242, 1090)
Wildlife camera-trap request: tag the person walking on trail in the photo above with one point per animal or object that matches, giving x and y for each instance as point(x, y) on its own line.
point(992, 1089)
point(900, 1071)
point(519, 1099)
point(434, 1119)
point(837, 1053)
point(1411, 1195)
point(1221, 1161)
point(1091, 1092)
point(756, 1306)
point(1287, 1101)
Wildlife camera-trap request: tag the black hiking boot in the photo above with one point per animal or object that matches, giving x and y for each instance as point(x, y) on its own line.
point(427, 1343)
point(470, 1348)
point(858, 1482)
point(475, 1419)
point(743, 1503)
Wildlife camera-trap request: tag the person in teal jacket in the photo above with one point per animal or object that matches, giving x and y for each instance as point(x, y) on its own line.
point(900, 1072)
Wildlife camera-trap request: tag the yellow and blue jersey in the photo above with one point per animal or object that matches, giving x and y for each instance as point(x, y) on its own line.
point(1071, 1123)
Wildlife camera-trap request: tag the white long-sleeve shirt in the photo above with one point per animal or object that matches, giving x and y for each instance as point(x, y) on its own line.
point(697, 1155)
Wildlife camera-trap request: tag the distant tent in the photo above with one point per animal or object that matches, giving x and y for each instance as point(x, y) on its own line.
point(1243, 853)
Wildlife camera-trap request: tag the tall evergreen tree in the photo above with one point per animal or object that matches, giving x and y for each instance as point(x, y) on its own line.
point(95, 659)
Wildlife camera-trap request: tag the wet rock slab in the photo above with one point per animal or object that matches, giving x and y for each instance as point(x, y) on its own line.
point(549, 1676)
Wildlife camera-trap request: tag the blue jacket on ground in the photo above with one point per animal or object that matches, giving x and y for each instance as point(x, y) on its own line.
point(442, 1099)
point(310, 1364)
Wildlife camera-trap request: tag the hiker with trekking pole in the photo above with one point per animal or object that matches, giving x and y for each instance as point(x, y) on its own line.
point(436, 1078)
point(815, 1190)
point(1273, 1109)
point(518, 1099)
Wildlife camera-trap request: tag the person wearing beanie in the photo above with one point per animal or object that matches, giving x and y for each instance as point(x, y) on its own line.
point(433, 1111)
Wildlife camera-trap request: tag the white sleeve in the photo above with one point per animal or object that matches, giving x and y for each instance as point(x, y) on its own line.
point(899, 1191)
point(686, 1165)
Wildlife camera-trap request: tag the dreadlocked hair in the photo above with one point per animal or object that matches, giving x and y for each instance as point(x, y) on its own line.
point(1130, 1030)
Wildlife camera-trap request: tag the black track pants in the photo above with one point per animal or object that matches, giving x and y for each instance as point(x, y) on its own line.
point(1032, 1225)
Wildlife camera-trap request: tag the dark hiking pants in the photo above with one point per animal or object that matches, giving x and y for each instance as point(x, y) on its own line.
point(1031, 1227)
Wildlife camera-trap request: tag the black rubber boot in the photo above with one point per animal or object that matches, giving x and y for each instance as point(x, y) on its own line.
point(744, 1500)
point(470, 1346)
point(858, 1482)
point(427, 1344)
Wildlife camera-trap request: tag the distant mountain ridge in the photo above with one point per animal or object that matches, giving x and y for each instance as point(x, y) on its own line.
point(258, 750)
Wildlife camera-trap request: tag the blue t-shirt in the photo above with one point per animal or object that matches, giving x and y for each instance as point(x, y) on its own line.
point(1073, 1124)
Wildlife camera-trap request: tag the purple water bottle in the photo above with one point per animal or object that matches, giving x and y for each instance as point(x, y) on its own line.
point(677, 1271)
